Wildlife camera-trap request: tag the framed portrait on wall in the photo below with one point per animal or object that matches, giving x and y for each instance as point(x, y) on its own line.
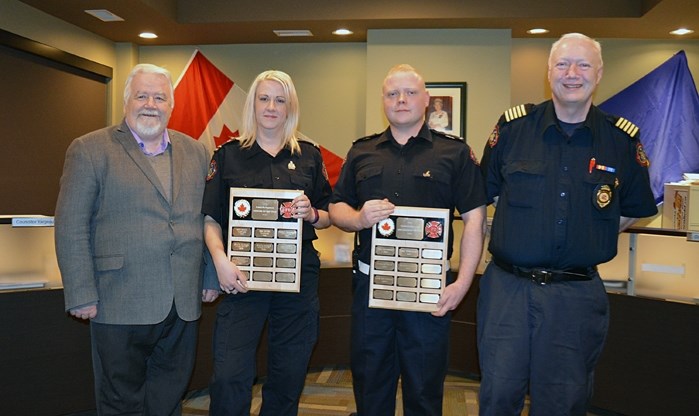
point(447, 109)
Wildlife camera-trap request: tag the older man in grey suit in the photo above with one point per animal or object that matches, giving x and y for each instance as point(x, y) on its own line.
point(129, 239)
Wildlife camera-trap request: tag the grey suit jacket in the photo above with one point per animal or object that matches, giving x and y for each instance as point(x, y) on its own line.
point(119, 241)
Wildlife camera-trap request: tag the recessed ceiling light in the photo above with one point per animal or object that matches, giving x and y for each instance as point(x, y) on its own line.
point(342, 32)
point(537, 31)
point(681, 31)
point(300, 32)
point(147, 35)
point(104, 15)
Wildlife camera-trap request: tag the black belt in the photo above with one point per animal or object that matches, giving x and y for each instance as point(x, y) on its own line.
point(544, 276)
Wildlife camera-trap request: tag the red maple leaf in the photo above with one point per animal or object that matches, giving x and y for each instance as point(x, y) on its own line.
point(225, 135)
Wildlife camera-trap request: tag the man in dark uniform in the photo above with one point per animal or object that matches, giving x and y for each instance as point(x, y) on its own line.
point(566, 177)
point(406, 165)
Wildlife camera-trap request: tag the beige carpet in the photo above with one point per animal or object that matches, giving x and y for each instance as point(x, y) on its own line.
point(328, 392)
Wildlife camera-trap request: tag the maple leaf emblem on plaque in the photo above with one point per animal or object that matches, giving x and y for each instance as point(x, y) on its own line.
point(242, 208)
point(386, 227)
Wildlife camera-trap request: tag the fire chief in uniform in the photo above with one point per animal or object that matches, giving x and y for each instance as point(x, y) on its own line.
point(406, 165)
point(567, 177)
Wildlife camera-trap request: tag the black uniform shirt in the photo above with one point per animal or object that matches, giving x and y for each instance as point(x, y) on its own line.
point(432, 170)
point(561, 198)
point(233, 166)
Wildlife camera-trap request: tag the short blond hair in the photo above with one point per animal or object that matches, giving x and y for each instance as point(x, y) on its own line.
point(405, 68)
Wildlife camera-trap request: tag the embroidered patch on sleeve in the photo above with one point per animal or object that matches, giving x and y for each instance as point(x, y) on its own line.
point(494, 136)
point(641, 157)
point(213, 169)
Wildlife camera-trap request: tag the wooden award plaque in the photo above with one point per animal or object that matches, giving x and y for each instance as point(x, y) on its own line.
point(264, 240)
point(409, 259)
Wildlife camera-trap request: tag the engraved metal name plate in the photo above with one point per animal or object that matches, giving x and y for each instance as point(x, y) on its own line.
point(264, 233)
point(265, 209)
point(385, 251)
point(240, 261)
point(264, 239)
point(408, 259)
point(241, 232)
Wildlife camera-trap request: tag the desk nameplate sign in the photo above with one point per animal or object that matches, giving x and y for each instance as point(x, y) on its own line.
point(264, 240)
point(409, 259)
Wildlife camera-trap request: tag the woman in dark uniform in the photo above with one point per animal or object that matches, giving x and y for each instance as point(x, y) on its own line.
point(267, 155)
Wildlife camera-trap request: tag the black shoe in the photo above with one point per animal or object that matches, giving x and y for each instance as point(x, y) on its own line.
point(353, 414)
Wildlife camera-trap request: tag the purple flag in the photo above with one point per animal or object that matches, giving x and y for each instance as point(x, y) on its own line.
point(664, 104)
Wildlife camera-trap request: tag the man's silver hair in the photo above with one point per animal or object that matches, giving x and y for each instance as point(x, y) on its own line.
point(596, 45)
point(149, 69)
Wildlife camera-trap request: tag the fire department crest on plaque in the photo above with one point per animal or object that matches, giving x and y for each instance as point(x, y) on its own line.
point(433, 229)
point(286, 209)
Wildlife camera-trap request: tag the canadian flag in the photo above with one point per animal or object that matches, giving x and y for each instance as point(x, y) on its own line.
point(209, 107)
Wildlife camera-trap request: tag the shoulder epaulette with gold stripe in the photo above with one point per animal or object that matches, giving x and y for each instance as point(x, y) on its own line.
point(515, 112)
point(626, 126)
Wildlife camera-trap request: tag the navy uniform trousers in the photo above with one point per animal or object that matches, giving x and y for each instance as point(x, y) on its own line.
point(292, 332)
point(545, 338)
point(387, 344)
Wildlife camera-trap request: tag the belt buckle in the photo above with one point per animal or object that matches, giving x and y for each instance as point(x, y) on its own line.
point(541, 277)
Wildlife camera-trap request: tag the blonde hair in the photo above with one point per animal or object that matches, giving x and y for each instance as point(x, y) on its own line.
point(248, 128)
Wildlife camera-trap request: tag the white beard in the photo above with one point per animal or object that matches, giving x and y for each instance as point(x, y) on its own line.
point(147, 129)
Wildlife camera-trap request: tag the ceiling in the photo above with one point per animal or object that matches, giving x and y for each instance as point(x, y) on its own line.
point(199, 22)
